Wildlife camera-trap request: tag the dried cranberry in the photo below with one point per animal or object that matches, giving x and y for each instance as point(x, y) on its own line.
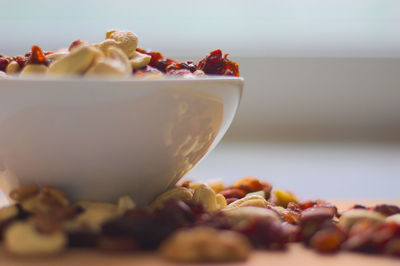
point(387, 209)
point(217, 64)
point(155, 56)
point(37, 57)
point(188, 65)
point(21, 60)
point(179, 72)
point(4, 61)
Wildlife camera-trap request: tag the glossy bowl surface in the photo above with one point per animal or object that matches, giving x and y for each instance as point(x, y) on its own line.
point(99, 139)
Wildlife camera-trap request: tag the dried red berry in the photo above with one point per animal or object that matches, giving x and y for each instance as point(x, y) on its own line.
point(4, 61)
point(37, 57)
point(188, 65)
point(387, 209)
point(215, 63)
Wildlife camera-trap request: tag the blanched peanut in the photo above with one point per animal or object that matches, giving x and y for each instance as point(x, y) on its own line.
point(13, 68)
point(238, 215)
point(125, 203)
point(351, 217)
point(393, 219)
point(206, 196)
point(259, 193)
point(139, 60)
point(115, 64)
point(126, 40)
point(204, 244)
point(176, 193)
point(252, 200)
point(8, 212)
point(21, 238)
point(33, 70)
point(75, 63)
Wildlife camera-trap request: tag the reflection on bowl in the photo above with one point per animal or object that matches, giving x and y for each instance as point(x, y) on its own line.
point(98, 140)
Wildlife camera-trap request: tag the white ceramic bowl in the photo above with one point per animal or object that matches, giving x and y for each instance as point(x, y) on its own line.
point(99, 139)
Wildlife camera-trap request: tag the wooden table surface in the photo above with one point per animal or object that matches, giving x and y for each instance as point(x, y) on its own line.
point(295, 255)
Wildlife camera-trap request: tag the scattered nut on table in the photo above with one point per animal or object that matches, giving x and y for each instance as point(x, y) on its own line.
point(351, 217)
point(203, 244)
point(176, 193)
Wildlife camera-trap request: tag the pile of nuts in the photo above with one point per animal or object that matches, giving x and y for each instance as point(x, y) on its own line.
point(117, 56)
point(195, 222)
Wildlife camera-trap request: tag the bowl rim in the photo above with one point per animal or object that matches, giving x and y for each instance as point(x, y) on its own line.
point(45, 79)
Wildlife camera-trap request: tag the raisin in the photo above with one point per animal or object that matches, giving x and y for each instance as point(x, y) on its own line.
point(387, 209)
point(37, 57)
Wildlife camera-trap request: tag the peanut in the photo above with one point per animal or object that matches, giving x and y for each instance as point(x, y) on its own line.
point(238, 215)
point(13, 68)
point(349, 218)
point(32, 70)
point(393, 219)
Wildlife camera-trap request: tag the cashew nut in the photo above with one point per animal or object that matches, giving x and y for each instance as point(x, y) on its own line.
point(13, 68)
point(251, 200)
point(126, 40)
point(176, 193)
point(115, 64)
point(238, 215)
point(206, 196)
point(32, 70)
point(23, 239)
point(139, 60)
point(75, 63)
point(205, 244)
point(351, 217)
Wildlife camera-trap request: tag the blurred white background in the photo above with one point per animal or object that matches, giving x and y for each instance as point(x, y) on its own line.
point(321, 110)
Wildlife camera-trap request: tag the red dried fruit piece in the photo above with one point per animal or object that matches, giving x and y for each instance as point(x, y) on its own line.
point(265, 233)
point(230, 200)
point(290, 216)
point(387, 209)
point(188, 65)
point(145, 71)
point(215, 63)
point(75, 44)
point(236, 193)
point(314, 219)
point(327, 240)
point(4, 61)
point(37, 57)
point(163, 63)
point(155, 56)
point(21, 60)
point(249, 184)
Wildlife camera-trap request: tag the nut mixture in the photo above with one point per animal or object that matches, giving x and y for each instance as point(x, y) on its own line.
point(117, 56)
point(195, 222)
